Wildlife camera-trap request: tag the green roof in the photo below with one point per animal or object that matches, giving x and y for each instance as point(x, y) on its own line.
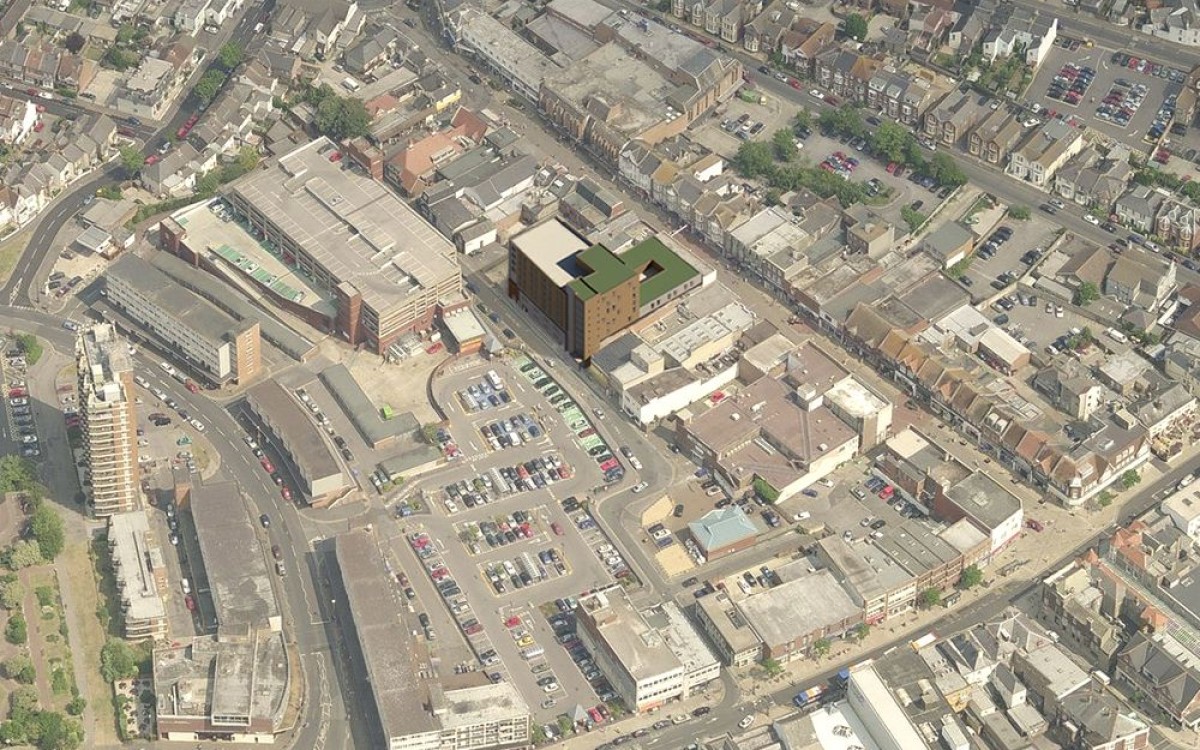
point(608, 270)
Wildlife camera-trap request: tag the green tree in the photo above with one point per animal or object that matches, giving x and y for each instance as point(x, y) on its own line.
point(131, 160)
point(247, 159)
point(856, 26)
point(23, 700)
point(1020, 213)
point(23, 554)
point(20, 668)
point(111, 192)
point(845, 120)
point(929, 598)
point(47, 529)
point(118, 661)
point(17, 475)
point(30, 347)
point(960, 268)
point(772, 667)
point(230, 56)
point(1105, 499)
point(802, 120)
point(77, 705)
point(783, 144)
point(208, 86)
point(890, 140)
point(57, 732)
point(1130, 478)
point(912, 217)
point(860, 632)
point(342, 118)
point(74, 42)
point(971, 577)
point(16, 631)
point(945, 170)
point(753, 159)
point(125, 34)
point(763, 489)
point(11, 593)
point(821, 647)
point(1086, 293)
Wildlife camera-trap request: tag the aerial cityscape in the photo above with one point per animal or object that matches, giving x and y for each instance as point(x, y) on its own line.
point(724, 375)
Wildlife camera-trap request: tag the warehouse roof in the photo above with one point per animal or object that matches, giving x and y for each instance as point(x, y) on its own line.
point(295, 428)
point(362, 411)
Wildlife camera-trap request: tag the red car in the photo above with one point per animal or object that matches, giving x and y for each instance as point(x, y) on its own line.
point(556, 528)
point(152, 159)
point(1035, 525)
point(335, 156)
point(266, 464)
point(190, 603)
point(286, 492)
point(794, 84)
point(512, 622)
point(191, 386)
point(886, 492)
point(472, 630)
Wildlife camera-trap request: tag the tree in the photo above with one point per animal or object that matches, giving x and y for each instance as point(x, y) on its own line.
point(208, 86)
point(30, 347)
point(23, 554)
point(772, 667)
point(946, 171)
point(342, 118)
point(118, 661)
point(821, 647)
point(912, 217)
point(77, 705)
point(131, 160)
point(20, 668)
point(929, 598)
point(890, 140)
point(74, 42)
point(119, 59)
point(11, 593)
point(856, 26)
point(1020, 213)
point(23, 700)
point(1105, 499)
point(247, 159)
point(845, 120)
point(802, 120)
point(17, 475)
point(230, 56)
point(16, 631)
point(47, 529)
point(783, 144)
point(1130, 478)
point(763, 489)
point(57, 732)
point(753, 159)
point(971, 577)
point(1086, 293)
point(957, 270)
point(860, 632)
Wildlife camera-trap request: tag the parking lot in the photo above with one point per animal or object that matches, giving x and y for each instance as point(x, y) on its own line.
point(509, 530)
point(1110, 77)
point(999, 261)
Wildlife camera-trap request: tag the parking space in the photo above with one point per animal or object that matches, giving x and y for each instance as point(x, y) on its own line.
point(20, 424)
point(1043, 322)
point(1005, 254)
point(1123, 96)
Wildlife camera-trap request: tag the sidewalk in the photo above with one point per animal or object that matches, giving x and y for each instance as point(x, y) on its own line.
point(713, 695)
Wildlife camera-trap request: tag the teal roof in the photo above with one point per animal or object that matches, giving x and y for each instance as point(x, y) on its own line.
point(607, 270)
point(722, 527)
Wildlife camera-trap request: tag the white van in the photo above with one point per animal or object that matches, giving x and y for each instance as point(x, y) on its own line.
point(186, 585)
point(1116, 335)
point(532, 652)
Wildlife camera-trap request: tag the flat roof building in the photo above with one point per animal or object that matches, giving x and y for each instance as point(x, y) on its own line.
point(409, 710)
point(234, 563)
point(791, 617)
point(587, 292)
point(211, 688)
point(647, 664)
point(880, 711)
point(137, 566)
point(330, 245)
point(364, 414)
point(214, 342)
point(108, 419)
point(294, 430)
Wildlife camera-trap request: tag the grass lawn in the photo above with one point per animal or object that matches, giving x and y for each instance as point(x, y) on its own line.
point(10, 252)
point(52, 630)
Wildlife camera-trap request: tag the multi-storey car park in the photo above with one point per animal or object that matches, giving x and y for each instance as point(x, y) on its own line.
point(326, 243)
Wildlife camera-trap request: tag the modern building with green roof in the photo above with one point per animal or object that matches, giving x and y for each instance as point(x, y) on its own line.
point(588, 291)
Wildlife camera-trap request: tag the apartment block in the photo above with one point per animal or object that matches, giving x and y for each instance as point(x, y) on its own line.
point(216, 343)
point(108, 419)
point(138, 566)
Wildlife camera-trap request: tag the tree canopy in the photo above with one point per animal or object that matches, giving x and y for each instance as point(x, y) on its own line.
point(856, 26)
point(46, 526)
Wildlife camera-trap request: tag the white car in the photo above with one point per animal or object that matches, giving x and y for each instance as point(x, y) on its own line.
point(816, 94)
point(1091, 220)
point(746, 721)
point(640, 486)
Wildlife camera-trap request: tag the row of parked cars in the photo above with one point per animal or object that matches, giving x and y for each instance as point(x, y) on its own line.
point(20, 409)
